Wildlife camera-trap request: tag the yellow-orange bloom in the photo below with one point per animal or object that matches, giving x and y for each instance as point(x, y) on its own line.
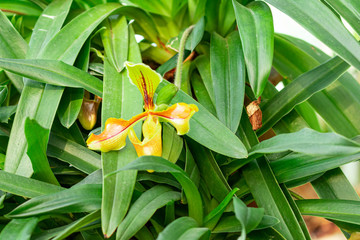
point(114, 135)
point(151, 144)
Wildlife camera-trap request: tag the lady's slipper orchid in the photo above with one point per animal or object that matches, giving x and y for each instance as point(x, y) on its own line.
point(116, 130)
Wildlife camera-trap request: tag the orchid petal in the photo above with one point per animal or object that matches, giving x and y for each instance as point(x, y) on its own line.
point(151, 145)
point(178, 115)
point(114, 135)
point(146, 80)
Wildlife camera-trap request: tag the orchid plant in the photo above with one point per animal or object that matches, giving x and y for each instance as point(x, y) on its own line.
point(116, 130)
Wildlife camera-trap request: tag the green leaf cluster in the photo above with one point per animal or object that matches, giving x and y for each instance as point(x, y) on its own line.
point(223, 179)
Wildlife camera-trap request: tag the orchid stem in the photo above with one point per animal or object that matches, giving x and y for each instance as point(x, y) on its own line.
point(180, 59)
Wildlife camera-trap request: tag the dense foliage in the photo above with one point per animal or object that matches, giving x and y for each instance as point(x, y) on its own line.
point(63, 75)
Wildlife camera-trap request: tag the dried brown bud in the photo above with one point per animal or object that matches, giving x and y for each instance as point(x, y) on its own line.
point(255, 115)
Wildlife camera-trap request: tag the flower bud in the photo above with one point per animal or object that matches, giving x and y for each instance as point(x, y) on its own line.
point(88, 113)
point(166, 94)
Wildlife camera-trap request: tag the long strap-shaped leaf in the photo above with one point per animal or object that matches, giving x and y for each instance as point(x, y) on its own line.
point(256, 31)
point(266, 191)
point(349, 10)
point(25, 187)
point(53, 72)
point(19, 229)
point(228, 75)
point(73, 153)
point(308, 83)
point(38, 138)
point(341, 210)
point(142, 210)
point(339, 111)
point(207, 130)
point(40, 102)
point(12, 45)
point(161, 165)
point(311, 15)
point(81, 198)
point(338, 103)
point(298, 166)
point(121, 99)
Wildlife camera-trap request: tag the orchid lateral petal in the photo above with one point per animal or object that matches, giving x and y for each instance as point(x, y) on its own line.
point(178, 115)
point(151, 145)
point(146, 79)
point(114, 135)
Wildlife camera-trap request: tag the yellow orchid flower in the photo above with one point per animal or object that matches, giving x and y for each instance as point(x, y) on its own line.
point(116, 130)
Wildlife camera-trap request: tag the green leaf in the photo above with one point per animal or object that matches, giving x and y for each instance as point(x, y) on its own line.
point(70, 106)
point(248, 217)
point(37, 138)
point(309, 142)
point(143, 208)
point(53, 72)
point(25, 187)
point(73, 153)
point(332, 32)
point(6, 113)
point(12, 45)
point(3, 93)
point(196, 9)
point(298, 166)
point(143, 21)
point(172, 144)
point(82, 198)
point(343, 91)
point(228, 75)
point(171, 63)
point(334, 185)
point(201, 93)
point(71, 101)
point(265, 189)
point(339, 102)
point(340, 210)
point(20, 7)
point(214, 216)
point(196, 234)
point(230, 223)
point(175, 229)
point(68, 41)
point(157, 6)
point(349, 10)
point(19, 229)
point(203, 65)
point(296, 211)
point(209, 131)
point(308, 83)
point(78, 224)
point(158, 164)
point(40, 102)
point(121, 99)
point(210, 171)
point(32, 93)
point(48, 24)
point(115, 40)
point(269, 233)
point(193, 39)
point(225, 16)
point(256, 31)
